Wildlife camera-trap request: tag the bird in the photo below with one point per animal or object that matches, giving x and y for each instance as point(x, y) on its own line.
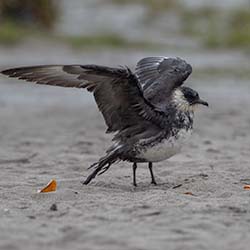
point(149, 111)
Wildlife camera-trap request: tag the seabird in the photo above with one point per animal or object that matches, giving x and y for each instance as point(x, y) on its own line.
point(149, 111)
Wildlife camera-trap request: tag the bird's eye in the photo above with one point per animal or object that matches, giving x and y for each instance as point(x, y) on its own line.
point(189, 95)
point(192, 96)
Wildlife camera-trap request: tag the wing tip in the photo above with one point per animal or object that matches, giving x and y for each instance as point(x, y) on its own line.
point(7, 72)
point(10, 72)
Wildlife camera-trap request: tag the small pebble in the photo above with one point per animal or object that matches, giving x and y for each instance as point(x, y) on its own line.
point(31, 217)
point(53, 207)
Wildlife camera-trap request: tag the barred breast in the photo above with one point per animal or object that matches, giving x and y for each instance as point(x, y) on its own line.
point(165, 148)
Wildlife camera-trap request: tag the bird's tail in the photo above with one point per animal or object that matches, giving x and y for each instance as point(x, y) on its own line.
point(103, 164)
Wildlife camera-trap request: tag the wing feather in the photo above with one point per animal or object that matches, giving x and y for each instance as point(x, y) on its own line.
point(54, 75)
point(116, 90)
point(159, 76)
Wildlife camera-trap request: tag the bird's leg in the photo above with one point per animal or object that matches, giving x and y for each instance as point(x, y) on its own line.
point(150, 166)
point(134, 174)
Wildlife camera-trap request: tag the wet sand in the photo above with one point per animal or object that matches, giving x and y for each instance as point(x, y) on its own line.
point(48, 132)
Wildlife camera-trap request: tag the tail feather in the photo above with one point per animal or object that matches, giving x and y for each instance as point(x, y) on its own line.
point(102, 165)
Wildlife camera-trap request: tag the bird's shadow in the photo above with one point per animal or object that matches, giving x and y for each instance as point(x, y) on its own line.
point(145, 186)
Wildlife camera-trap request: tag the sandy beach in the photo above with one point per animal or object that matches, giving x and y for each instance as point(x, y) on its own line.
point(54, 133)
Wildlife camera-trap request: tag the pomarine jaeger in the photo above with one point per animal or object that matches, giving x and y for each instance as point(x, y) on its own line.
point(149, 111)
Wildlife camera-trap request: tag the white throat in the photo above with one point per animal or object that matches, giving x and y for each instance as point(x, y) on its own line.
point(181, 102)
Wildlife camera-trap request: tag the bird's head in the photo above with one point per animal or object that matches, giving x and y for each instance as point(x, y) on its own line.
point(186, 99)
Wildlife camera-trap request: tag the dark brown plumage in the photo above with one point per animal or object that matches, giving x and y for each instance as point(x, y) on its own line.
point(135, 106)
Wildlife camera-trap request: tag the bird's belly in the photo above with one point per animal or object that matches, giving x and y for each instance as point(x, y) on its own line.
point(166, 148)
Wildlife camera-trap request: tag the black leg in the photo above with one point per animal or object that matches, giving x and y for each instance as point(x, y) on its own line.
point(150, 166)
point(134, 174)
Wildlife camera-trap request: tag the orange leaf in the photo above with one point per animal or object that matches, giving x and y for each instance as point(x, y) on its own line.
point(50, 187)
point(247, 187)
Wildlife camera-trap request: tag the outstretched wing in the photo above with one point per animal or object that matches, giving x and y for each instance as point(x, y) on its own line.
point(116, 90)
point(54, 75)
point(159, 76)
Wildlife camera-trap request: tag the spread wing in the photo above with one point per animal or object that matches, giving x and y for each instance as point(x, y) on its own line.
point(159, 76)
point(116, 90)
